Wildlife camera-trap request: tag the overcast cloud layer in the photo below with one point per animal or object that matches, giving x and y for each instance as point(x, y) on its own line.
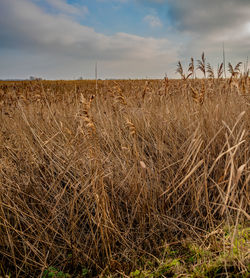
point(47, 37)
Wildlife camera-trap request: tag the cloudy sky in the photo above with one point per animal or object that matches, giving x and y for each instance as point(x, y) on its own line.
point(63, 39)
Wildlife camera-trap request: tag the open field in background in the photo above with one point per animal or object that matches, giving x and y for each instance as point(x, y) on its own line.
point(137, 178)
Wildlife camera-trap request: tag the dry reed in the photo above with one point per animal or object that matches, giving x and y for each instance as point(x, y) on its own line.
point(143, 171)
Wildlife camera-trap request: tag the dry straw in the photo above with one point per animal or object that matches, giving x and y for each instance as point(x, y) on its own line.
point(146, 170)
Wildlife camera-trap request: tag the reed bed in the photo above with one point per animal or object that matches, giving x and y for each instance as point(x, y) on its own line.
point(101, 178)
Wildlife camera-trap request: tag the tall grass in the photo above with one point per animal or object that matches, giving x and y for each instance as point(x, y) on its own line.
point(99, 181)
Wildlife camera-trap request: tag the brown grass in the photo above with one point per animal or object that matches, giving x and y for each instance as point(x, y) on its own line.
point(99, 182)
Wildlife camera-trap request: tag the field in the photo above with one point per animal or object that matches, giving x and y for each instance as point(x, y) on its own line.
point(125, 178)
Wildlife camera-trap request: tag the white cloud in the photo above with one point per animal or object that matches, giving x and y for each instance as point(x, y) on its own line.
point(26, 28)
point(247, 28)
point(64, 7)
point(57, 45)
point(153, 20)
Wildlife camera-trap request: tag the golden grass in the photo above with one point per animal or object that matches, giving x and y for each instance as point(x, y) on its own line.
point(100, 181)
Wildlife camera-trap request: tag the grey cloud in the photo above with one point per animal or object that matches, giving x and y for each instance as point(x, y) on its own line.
point(207, 16)
point(208, 23)
point(214, 22)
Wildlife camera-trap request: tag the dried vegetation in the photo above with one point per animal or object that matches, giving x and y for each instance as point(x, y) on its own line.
point(102, 178)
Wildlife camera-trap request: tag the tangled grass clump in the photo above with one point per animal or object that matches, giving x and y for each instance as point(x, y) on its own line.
point(95, 184)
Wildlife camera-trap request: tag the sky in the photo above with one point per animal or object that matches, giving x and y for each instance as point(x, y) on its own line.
point(64, 39)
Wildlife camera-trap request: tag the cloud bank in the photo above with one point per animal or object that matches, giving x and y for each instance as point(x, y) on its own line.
point(210, 23)
point(25, 27)
point(52, 43)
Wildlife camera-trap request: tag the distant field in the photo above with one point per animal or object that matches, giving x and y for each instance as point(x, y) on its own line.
point(125, 178)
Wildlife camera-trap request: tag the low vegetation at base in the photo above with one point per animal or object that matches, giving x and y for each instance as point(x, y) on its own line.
point(129, 178)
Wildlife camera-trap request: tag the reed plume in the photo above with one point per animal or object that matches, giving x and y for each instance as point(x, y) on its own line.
point(202, 64)
point(191, 66)
point(235, 71)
